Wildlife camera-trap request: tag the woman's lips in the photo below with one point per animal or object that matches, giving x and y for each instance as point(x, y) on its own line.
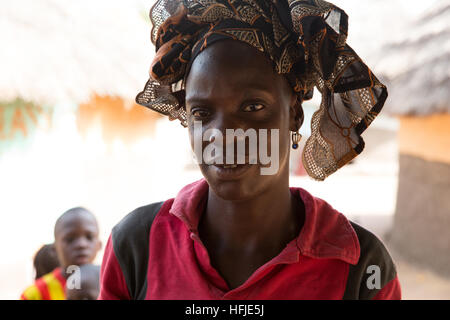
point(230, 171)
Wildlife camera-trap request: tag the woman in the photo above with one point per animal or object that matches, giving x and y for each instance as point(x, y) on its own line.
point(238, 233)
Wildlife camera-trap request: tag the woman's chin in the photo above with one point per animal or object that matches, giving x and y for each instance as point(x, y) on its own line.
point(232, 184)
point(235, 190)
point(230, 190)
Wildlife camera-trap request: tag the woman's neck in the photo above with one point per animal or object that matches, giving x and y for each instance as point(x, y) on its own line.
point(271, 218)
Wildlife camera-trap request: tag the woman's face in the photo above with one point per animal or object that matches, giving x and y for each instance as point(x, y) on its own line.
point(231, 85)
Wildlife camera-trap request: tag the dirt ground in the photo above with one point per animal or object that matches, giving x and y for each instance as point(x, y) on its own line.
point(419, 283)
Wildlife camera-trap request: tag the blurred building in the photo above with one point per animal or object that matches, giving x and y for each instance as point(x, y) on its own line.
point(82, 57)
point(418, 69)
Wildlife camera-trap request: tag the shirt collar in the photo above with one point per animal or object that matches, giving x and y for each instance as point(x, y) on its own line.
point(326, 233)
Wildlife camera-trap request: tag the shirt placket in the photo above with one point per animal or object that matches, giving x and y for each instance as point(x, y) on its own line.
point(219, 287)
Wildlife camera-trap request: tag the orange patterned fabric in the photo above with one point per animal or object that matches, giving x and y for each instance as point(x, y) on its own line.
point(306, 42)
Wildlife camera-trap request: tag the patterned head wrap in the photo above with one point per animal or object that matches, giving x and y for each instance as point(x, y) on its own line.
point(306, 42)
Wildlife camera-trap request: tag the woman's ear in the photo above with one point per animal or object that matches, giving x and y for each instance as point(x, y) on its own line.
point(296, 113)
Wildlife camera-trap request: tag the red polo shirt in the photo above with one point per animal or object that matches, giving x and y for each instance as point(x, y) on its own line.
point(332, 258)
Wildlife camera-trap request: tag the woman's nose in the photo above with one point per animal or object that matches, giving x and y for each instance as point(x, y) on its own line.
point(224, 120)
point(233, 138)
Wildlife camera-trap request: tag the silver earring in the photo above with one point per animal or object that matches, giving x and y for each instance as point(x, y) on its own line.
point(296, 137)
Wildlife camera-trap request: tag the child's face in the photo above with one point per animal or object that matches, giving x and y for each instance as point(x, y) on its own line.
point(76, 239)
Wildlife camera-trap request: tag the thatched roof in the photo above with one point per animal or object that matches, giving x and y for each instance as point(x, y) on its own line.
point(66, 51)
point(59, 51)
point(418, 67)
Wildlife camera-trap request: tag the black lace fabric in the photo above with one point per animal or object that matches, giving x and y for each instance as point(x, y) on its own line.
point(304, 39)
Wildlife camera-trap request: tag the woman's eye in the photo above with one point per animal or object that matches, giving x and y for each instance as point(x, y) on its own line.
point(253, 107)
point(200, 113)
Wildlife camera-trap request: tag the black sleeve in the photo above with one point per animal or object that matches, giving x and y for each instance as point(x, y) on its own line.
point(130, 238)
point(374, 259)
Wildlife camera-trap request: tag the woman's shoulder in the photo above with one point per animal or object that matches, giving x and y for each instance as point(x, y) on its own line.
point(140, 219)
point(370, 258)
point(372, 248)
point(129, 245)
point(323, 217)
point(375, 268)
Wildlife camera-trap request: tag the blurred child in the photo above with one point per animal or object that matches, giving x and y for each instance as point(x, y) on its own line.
point(45, 260)
point(89, 283)
point(76, 243)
